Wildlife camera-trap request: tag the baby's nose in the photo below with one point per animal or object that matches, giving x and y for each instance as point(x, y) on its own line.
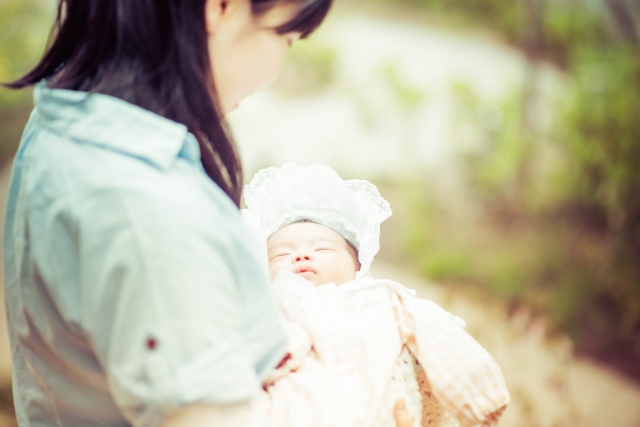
point(302, 257)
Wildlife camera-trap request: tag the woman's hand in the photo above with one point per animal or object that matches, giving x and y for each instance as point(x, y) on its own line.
point(401, 415)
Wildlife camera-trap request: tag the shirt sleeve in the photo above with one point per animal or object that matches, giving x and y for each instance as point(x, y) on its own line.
point(160, 296)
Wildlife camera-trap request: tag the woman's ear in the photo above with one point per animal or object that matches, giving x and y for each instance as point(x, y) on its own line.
point(214, 12)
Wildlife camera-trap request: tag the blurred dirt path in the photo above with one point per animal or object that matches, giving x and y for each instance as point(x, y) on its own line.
point(549, 387)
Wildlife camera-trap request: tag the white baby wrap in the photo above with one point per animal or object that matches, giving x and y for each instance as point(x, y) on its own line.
point(347, 353)
point(348, 344)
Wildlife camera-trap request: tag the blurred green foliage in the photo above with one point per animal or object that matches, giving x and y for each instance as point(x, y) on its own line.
point(557, 213)
point(406, 95)
point(310, 67)
point(24, 27)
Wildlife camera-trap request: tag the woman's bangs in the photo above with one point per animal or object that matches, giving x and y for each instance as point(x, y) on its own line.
point(310, 15)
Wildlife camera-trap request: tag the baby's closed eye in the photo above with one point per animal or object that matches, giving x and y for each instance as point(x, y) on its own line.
point(280, 255)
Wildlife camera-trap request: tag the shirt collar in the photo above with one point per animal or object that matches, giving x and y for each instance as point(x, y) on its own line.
point(112, 123)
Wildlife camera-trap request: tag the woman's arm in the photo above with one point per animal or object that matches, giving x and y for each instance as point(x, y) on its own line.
point(169, 296)
point(244, 414)
point(329, 386)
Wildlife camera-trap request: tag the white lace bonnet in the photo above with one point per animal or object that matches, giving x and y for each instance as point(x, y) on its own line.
point(276, 197)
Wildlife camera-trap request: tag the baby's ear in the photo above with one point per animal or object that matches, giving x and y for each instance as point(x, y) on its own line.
point(354, 254)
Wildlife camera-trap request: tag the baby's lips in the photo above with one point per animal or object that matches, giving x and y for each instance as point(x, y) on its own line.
point(304, 269)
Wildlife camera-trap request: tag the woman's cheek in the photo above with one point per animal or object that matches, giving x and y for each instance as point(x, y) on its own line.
point(274, 54)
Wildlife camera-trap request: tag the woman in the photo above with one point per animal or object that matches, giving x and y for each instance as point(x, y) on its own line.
point(134, 295)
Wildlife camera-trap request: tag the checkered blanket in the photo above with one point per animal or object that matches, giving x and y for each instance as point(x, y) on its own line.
point(344, 343)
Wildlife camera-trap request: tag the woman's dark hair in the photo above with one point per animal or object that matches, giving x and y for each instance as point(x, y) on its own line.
point(153, 54)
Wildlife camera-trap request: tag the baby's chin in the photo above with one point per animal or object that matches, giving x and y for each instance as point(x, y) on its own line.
point(319, 280)
point(309, 275)
point(315, 278)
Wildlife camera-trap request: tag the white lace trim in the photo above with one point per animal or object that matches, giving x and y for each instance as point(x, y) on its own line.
point(362, 186)
point(353, 185)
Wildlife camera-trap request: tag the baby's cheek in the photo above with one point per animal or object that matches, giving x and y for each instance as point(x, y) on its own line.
point(276, 266)
point(273, 268)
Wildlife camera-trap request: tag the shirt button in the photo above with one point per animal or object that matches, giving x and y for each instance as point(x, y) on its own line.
point(152, 343)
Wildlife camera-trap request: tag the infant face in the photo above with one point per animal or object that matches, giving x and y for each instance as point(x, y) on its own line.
point(313, 251)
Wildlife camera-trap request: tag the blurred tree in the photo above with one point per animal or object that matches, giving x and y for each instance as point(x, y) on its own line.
point(566, 227)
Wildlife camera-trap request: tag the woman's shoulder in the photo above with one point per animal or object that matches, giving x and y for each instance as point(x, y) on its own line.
point(156, 170)
point(103, 188)
point(97, 143)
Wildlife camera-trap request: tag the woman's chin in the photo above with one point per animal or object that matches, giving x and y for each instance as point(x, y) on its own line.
point(228, 109)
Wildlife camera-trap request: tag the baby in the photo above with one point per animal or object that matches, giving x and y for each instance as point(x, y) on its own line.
point(321, 236)
point(313, 251)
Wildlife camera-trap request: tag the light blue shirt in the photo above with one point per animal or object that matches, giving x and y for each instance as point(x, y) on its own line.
point(132, 285)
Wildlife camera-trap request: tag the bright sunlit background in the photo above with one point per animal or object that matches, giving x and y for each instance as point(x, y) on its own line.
point(506, 136)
